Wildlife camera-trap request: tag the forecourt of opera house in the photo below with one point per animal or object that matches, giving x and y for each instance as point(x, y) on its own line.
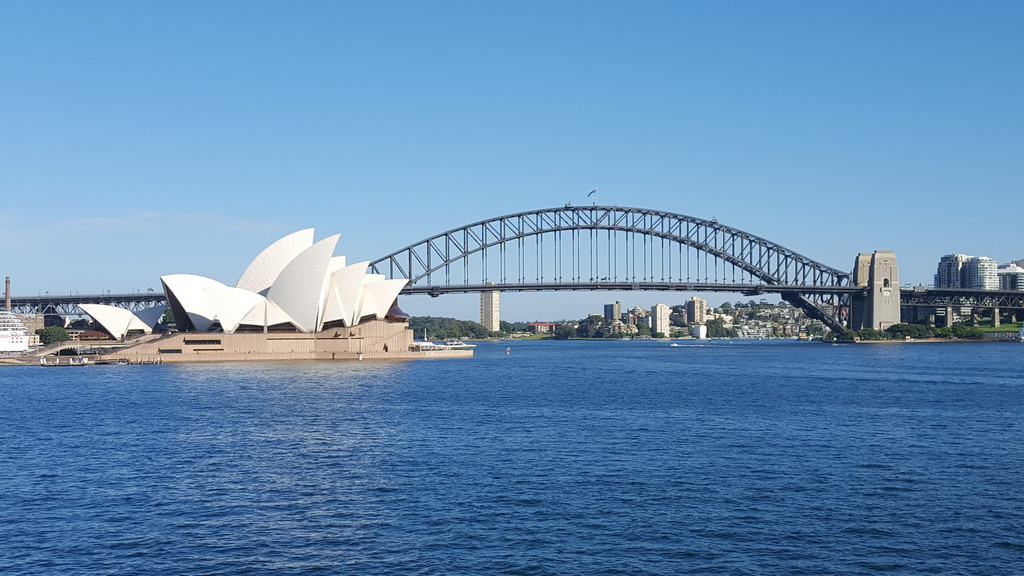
point(295, 301)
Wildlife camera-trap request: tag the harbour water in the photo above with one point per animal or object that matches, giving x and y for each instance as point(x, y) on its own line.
point(744, 457)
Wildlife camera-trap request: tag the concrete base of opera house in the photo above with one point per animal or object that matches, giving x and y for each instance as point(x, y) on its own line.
point(374, 340)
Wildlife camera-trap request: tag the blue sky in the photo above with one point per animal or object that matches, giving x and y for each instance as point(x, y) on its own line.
point(146, 138)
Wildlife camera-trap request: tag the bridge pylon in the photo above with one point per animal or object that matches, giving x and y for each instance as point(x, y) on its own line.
point(878, 304)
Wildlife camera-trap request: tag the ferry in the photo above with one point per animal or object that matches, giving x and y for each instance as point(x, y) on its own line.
point(446, 345)
point(76, 361)
point(458, 345)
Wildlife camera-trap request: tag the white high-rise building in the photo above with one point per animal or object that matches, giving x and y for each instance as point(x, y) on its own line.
point(982, 273)
point(490, 310)
point(660, 319)
point(951, 273)
point(1011, 277)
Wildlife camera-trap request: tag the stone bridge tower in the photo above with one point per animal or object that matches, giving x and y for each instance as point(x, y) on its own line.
point(878, 306)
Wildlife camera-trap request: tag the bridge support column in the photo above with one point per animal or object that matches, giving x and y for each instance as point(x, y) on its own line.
point(490, 310)
point(878, 306)
point(995, 317)
point(949, 316)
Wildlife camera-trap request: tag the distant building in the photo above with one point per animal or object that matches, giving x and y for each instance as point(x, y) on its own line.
point(982, 273)
point(699, 331)
point(950, 272)
point(660, 319)
point(696, 311)
point(490, 310)
point(1011, 277)
point(541, 327)
point(613, 312)
point(14, 337)
point(963, 271)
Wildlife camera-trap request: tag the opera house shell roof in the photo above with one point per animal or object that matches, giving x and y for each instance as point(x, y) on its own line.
point(293, 285)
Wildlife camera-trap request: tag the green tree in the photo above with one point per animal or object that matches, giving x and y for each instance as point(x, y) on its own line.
point(717, 329)
point(564, 331)
point(904, 331)
point(869, 334)
point(590, 328)
point(967, 332)
point(445, 328)
point(52, 334)
point(678, 316)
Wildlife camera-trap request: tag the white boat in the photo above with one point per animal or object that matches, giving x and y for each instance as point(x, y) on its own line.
point(425, 346)
point(458, 345)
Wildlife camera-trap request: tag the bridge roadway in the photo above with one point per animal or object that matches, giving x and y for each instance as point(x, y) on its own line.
point(909, 297)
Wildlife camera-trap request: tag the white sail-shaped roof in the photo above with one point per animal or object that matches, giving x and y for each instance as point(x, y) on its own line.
point(265, 268)
point(151, 316)
point(265, 314)
point(189, 291)
point(342, 301)
point(337, 263)
point(299, 289)
point(379, 295)
point(114, 319)
point(293, 282)
point(231, 304)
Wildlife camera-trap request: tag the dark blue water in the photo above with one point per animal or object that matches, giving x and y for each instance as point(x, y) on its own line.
point(563, 458)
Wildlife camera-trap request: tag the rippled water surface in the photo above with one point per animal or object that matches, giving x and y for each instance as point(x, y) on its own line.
point(561, 458)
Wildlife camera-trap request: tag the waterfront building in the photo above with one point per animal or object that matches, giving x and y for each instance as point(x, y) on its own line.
point(296, 300)
point(541, 327)
point(1011, 277)
point(660, 319)
point(696, 311)
point(699, 331)
point(490, 310)
point(14, 337)
point(613, 312)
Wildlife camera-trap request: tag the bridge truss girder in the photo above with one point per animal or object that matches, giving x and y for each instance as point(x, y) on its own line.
point(944, 298)
point(595, 237)
point(68, 305)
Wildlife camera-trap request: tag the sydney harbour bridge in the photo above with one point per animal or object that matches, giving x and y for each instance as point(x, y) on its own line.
point(608, 248)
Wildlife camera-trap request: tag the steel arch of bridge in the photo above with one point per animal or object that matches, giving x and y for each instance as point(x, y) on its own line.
point(614, 248)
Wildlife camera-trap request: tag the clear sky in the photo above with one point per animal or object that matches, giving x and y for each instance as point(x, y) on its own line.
point(147, 138)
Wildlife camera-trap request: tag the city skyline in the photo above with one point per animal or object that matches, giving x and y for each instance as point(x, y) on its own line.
point(143, 140)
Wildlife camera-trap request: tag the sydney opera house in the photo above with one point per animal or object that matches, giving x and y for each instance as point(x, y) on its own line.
point(295, 301)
